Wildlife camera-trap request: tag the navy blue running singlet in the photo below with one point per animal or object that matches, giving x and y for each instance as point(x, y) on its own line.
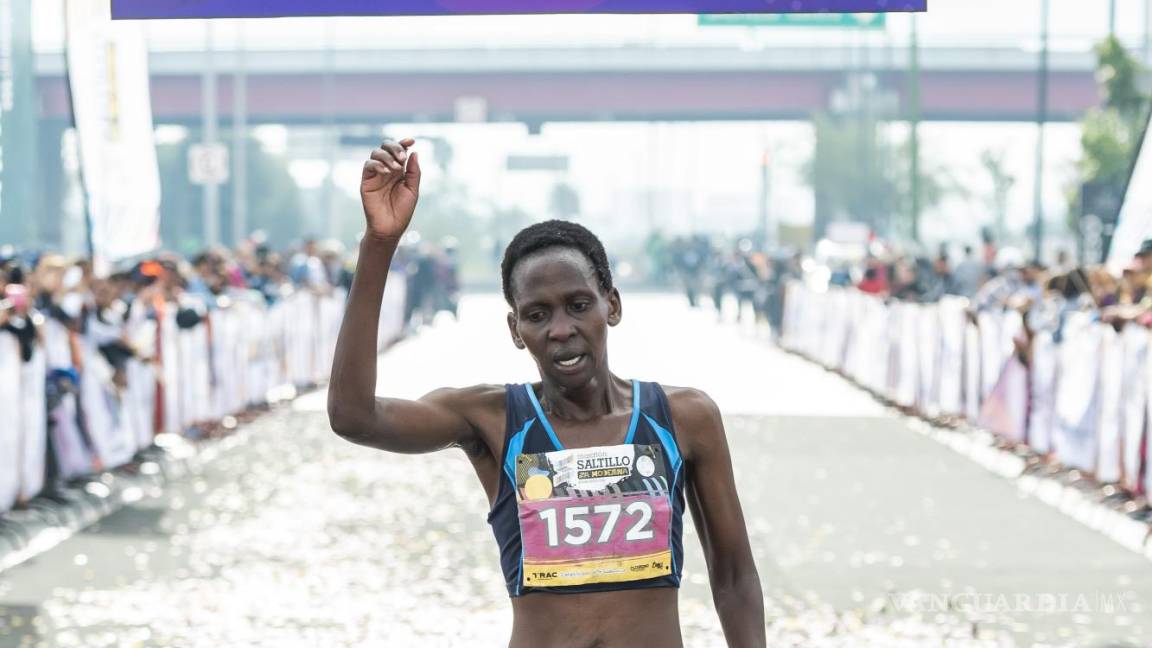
point(589, 519)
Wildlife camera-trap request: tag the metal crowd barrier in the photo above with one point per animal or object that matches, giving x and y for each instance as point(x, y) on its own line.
point(63, 407)
point(1082, 397)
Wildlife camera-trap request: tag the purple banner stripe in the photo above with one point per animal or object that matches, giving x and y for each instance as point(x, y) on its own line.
point(138, 9)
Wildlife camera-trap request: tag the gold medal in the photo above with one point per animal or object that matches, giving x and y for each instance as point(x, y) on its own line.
point(538, 487)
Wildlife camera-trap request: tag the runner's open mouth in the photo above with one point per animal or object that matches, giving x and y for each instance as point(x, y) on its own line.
point(569, 361)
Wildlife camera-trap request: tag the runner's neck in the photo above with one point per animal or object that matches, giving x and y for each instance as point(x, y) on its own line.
point(597, 400)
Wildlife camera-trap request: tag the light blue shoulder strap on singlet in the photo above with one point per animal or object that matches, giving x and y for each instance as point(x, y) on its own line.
point(552, 433)
point(635, 412)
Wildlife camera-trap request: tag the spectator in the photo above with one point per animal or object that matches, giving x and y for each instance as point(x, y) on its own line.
point(875, 281)
point(969, 275)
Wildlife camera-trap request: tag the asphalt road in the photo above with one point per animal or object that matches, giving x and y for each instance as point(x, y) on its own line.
point(866, 533)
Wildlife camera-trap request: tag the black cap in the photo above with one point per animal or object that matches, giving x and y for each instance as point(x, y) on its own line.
point(1145, 248)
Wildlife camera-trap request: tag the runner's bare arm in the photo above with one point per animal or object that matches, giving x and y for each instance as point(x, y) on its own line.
point(389, 190)
point(712, 497)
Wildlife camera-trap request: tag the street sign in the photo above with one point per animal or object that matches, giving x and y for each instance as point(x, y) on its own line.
point(471, 110)
point(834, 20)
point(208, 164)
point(527, 162)
point(137, 9)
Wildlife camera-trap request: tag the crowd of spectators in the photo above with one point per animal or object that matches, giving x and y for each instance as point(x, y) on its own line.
point(987, 275)
point(39, 285)
point(1006, 279)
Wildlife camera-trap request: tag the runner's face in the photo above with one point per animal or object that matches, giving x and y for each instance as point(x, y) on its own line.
point(562, 316)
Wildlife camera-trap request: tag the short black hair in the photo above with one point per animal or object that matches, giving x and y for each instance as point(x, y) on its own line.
point(560, 234)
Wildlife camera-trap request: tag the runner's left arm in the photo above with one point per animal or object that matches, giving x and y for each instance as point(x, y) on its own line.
point(712, 497)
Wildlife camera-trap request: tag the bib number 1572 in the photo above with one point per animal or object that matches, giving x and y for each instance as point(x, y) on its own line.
point(576, 526)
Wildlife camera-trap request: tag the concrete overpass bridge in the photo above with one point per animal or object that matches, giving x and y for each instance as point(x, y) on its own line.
point(535, 86)
point(357, 91)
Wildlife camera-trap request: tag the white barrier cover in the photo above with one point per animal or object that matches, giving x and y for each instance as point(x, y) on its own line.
point(204, 378)
point(1148, 428)
point(878, 345)
point(972, 379)
point(141, 396)
point(928, 343)
point(1135, 385)
point(170, 370)
point(112, 441)
point(951, 379)
point(274, 328)
point(34, 425)
point(1108, 430)
point(787, 318)
point(1077, 394)
point(259, 352)
point(993, 355)
point(907, 379)
point(215, 368)
point(331, 313)
point(72, 453)
point(855, 342)
point(141, 392)
point(1005, 411)
point(56, 347)
point(187, 352)
point(837, 329)
point(226, 375)
point(1045, 366)
point(9, 434)
point(297, 338)
point(73, 456)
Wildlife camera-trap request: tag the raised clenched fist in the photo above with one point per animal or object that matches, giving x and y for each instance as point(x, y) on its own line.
point(389, 189)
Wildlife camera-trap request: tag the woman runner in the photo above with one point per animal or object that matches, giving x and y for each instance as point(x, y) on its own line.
point(587, 473)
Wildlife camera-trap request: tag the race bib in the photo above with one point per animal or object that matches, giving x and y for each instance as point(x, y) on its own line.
point(594, 515)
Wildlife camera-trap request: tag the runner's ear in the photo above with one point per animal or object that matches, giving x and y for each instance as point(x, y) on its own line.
point(512, 329)
point(615, 308)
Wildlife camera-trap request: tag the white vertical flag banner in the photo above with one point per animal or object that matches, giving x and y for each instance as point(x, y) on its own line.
point(111, 102)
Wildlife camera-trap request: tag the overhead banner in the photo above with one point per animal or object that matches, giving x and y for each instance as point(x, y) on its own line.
point(111, 103)
point(135, 9)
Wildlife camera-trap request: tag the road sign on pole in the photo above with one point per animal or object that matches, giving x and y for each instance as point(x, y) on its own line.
point(833, 20)
point(208, 164)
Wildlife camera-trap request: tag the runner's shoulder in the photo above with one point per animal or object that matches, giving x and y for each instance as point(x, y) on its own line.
point(469, 401)
point(694, 414)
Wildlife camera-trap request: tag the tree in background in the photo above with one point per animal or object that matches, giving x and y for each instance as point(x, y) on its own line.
point(859, 176)
point(1110, 136)
point(992, 161)
point(564, 203)
point(273, 205)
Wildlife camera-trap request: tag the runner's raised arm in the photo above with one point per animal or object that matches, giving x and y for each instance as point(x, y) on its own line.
point(389, 190)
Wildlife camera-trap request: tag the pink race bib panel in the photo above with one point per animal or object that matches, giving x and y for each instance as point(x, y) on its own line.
point(594, 515)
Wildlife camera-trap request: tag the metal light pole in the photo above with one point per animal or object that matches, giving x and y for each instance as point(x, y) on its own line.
point(765, 196)
point(331, 136)
point(1041, 118)
point(210, 124)
point(914, 127)
point(1111, 17)
point(1147, 30)
point(240, 143)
